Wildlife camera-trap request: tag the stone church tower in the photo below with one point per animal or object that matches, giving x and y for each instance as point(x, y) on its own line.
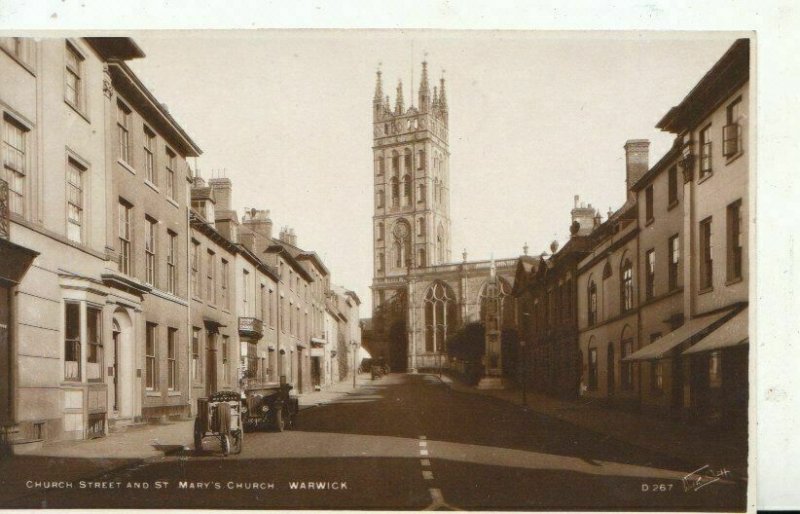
point(411, 222)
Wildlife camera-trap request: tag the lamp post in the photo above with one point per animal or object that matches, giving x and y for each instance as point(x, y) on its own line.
point(524, 374)
point(355, 355)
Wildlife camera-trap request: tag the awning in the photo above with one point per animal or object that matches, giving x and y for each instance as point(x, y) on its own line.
point(732, 333)
point(658, 348)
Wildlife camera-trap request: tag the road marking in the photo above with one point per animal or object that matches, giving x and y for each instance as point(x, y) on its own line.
point(427, 475)
point(423, 452)
point(423, 444)
point(438, 501)
point(425, 462)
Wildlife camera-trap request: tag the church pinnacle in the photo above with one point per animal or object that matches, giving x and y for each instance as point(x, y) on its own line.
point(378, 88)
point(399, 107)
point(442, 95)
point(424, 89)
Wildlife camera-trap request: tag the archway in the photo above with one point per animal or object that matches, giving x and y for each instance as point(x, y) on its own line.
point(121, 391)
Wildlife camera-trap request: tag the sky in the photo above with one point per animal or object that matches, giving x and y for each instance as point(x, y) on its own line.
point(535, 118)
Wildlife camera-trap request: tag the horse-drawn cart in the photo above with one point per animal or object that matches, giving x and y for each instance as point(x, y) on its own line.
point(220, 416)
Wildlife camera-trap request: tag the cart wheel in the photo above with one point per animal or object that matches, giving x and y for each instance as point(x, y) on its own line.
point(198, 436)
point(226, 444)
point(238, 441)
point(280, 420)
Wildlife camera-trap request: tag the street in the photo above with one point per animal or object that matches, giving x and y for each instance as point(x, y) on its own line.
point(405, 442)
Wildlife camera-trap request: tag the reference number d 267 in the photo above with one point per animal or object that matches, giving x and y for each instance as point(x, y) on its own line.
point(656, 488)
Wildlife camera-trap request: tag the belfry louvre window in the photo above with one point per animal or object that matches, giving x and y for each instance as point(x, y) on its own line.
point(732, 131)
point(705, 152)
point(14, 162)
point(74, 201)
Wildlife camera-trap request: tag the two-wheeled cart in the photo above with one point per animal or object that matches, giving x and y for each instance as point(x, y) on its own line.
point(220, 416)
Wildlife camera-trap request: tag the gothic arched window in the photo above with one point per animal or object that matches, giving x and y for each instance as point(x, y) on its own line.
point(440, 316)
point(626, 285)
point(380, 231)
point(380, 164)
point(407, 158)
point(395, 191)
point(421, 258)
point(440, 244)
point(421, 193)
point(592, 302)
point(402, 244)
point(395, 163)
point(406, 189)
point(421, 226)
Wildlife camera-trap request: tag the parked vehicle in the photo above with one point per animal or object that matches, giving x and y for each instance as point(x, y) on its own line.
point(270, 406)
point(220, 416)
point(379, 367)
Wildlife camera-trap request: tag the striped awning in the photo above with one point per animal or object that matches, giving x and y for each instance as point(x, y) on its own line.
point(732, 333)
point(660, 347)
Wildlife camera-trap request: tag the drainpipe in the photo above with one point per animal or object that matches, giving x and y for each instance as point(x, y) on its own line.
point(188, 338)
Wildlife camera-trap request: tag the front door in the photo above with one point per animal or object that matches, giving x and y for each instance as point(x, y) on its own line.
point(211, 364)
point(115, 368)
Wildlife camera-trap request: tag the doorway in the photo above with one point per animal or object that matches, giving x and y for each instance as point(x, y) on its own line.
point(211, 363)
point(115, 366)
point(121, 366)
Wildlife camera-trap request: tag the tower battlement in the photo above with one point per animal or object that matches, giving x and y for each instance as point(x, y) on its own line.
point(430, 113)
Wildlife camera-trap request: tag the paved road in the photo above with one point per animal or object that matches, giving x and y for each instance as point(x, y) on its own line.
point(410, 442)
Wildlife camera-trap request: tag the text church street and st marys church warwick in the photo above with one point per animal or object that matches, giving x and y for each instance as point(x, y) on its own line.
point(155, 332)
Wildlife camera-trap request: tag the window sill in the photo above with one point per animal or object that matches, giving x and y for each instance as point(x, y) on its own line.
point(151, 186)
point(173, 202)
point(174, 393)
point(733, 281)
point(705, 290)
point(705, 177)
point(127, 166)
point(78, 110)
point(153, 394)
point(672, 205)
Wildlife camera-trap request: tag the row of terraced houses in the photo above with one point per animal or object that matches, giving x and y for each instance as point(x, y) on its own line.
point(129, 286)
point(649, 308)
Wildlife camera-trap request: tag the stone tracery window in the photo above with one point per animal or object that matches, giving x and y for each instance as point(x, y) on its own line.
point(440, 316)
point(493, 298)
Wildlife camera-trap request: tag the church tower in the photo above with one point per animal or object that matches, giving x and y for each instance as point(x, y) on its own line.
point(411, 221)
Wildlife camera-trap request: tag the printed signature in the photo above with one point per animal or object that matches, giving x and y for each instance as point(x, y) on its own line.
point(702, 477)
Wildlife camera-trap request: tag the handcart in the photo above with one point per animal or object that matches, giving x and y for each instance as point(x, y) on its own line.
point(220, 416)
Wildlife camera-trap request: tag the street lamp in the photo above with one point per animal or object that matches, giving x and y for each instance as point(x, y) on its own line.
point(355, 355)
point(524, 374)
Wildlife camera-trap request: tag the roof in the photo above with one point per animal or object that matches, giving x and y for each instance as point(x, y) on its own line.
point(281, 251)
point(313, 258)
point(126, 82)
point(116, 47)
point(729, 73)
point(668, 158)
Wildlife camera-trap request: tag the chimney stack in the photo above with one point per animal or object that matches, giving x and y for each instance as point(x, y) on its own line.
point(636, 160)
point(258, 223)
point(584, 217)
point(222, 192)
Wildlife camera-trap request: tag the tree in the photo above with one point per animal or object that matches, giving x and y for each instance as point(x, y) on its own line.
point(468, 343)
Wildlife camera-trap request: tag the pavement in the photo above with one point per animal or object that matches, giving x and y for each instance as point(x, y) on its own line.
point(666, 436)
point(400, 442)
